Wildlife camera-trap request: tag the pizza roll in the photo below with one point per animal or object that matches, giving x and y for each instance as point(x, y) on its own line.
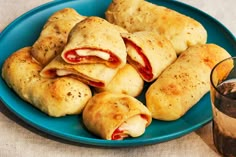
point(115, 116)
point(140, 15)
point(56, 97)
point(149, 53)
point(94, 40)
point(53, 36)
point(184, 82)
point(126, 81)
point(96, 75)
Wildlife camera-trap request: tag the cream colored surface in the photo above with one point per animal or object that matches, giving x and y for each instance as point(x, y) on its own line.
point(19, 139)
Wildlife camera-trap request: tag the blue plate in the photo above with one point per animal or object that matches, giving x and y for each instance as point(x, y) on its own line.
point(25, 30)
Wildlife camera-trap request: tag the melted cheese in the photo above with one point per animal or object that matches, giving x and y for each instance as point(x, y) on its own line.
point(134, 55)
point(88, 52)
point(135, 126)
point(61, 72)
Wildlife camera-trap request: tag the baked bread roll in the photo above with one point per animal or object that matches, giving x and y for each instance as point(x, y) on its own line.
point(53, 36)
point(184, 82)
point(56, 97)
point(115, 116)
point(94, 40)
point(126, 81)
point(140, 15)
point(149, 53)
point(96, 75)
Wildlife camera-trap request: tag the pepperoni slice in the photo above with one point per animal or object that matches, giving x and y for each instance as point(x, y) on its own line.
point(145, 71)
point(74, 58)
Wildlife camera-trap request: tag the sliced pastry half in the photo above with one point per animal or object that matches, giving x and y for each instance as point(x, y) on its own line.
point(96, 75)
point(116, 116)
point(94, 40)
point(149, 53)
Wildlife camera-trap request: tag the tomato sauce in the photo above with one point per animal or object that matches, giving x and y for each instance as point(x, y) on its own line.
point(77, 58)
point(145, 71)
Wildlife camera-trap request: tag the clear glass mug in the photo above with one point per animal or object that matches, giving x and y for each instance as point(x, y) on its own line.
point(223, 98)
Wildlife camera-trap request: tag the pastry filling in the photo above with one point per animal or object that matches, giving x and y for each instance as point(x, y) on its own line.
point(137, 59)
point(134, 55)
point(61, 72)
point(91, 55)
point(89, 52)
point(134, 127)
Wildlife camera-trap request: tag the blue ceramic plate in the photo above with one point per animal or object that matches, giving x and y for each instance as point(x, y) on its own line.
point(25, 30)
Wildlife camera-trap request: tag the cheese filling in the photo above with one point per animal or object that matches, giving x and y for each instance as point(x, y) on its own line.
point(134, 126)
point(133, 54)
point(97, 53)
point(86, 79)
point(61, 72)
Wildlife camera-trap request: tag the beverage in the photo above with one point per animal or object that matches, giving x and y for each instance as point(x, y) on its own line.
point(225, 144)
point(224, 121)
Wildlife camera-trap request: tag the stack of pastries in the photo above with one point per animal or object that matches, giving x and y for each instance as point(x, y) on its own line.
point(97, 67)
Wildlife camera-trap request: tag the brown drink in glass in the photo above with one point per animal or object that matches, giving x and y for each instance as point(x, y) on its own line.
point(223, 98)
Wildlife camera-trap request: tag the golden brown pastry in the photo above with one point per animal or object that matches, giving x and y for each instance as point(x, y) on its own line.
point(94, 40)
point(126, 81)
point(116, 116)
point(149, 53)
point(56, 97)
point(53, 36)
point(140, 15)
point(96, 75)
point(184, 82)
